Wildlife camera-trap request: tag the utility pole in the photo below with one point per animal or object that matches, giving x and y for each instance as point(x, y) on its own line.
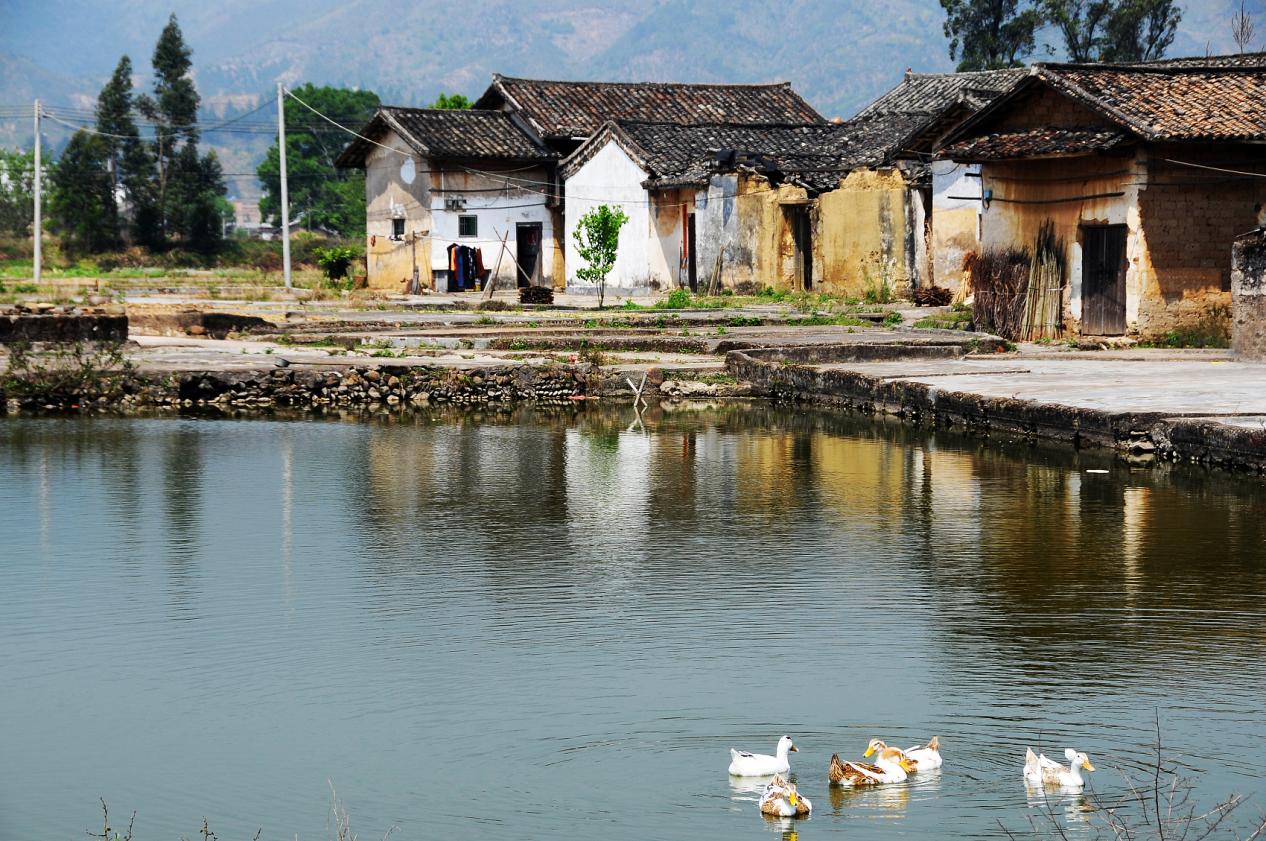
point(36, 230)
point(285, 207)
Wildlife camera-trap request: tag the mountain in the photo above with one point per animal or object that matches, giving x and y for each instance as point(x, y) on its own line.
point(839, 54)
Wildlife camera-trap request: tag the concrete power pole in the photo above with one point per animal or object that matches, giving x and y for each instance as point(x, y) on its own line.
point(285, 199)
point(36, 229)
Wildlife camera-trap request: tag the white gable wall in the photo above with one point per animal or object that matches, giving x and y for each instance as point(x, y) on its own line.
point(611, 177)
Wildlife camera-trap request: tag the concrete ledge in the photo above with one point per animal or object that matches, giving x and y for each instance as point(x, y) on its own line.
point(1146, 435)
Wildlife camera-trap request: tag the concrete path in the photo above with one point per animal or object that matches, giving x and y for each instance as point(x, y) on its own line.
point(1190, 383)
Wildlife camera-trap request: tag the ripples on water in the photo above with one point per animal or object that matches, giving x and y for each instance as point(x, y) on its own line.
point(508, 629)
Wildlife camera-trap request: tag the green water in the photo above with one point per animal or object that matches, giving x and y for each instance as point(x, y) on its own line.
point(558, 625)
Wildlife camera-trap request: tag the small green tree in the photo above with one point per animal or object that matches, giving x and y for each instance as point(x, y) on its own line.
point(597, 239)
point(450, 102)
point(1141, 30)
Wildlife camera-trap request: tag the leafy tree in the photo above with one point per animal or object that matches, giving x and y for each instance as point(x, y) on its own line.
point(1141, 30)
point(130, 165)
point(320, 195)
point(597, 239)
point(991, 34)
point(1080, 24)
point(17, 192)
point(82, 193)
point(450, 102)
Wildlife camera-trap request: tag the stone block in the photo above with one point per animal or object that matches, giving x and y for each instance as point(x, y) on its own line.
point(1248, 296)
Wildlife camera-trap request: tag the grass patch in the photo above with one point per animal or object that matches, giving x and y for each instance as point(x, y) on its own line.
point(841, 320)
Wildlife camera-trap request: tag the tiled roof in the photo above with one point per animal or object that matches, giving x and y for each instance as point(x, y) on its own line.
point(815, 155)
point(1169, 102)
point(578, 109)
point(1037, 143)
point(1235, 60)
point(933, 93)
point(442, 133)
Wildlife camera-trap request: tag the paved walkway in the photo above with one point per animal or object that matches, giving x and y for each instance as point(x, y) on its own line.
point(1190, 383)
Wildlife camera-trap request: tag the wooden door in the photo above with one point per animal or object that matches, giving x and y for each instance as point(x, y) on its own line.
point(802, 235)
point(692, 264)
point(1103, 280)
point(528, 251)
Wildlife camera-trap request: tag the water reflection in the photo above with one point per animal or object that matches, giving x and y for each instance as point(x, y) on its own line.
point(604, 603)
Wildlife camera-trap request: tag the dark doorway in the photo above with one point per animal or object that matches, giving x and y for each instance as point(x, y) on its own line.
point(692, 262)
point(528, 251)
point(1103, 280)
point(802, 235)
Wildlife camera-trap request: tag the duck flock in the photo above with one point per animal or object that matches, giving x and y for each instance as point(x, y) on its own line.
point(892, 765)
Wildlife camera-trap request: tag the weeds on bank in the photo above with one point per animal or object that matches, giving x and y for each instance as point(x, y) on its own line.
point(1160, 805)
point(66, 375)
point(958, 318)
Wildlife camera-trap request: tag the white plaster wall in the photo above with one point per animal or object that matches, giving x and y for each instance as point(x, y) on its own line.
point(388, 192)
point(499, 212)
point(611, 177)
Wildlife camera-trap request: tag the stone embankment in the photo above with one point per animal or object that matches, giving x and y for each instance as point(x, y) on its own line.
point(1142, 435)
point(366, 385)
point(48, 323)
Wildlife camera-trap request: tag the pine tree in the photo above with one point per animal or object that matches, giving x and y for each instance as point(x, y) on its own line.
point(82, 192)
point(196, 198)
point(1081, 24)
point(174, 111)
point(129, 164)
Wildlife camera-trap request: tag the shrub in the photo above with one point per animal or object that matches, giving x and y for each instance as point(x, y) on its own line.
point(678, 299)
point(336, 260)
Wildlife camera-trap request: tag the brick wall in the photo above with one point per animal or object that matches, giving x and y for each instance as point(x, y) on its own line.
point(1248, 291)
point(1190, 217)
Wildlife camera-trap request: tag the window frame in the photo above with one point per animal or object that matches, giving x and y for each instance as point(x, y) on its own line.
point(397, 227)
point(467, 218)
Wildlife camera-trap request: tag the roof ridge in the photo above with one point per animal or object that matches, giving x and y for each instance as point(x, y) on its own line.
point(721, 124)
point(1159, 69)
point(782, 84)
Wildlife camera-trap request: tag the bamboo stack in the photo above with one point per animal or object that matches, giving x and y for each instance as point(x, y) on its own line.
point(1044, 295)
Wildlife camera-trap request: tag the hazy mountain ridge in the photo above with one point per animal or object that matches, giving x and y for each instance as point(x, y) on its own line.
point(839, 55)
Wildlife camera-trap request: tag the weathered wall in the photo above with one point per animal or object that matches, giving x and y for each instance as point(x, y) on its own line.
point(869, 230)
point(1069, 192)
point(401, 184)
point(1181, 222)
point(668, 210)
point(1248, 293)
point(1191, 217)
point(392, 191)
point(611, 177)
point(955, 219)
point(501, 198)
point(1040, 108)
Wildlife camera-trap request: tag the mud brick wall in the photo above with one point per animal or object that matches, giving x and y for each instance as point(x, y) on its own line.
point(1190, 218)
point(61, 327)
point(1248, 292)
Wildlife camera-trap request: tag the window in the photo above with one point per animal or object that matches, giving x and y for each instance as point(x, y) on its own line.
point(468, 226)
point(397, 229)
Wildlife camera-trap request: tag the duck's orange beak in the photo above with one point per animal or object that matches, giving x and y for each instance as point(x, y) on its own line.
point(794, 749)
point(1088, 766)
point(869, 750)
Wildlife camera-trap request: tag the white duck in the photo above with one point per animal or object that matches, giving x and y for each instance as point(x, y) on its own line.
point(891, 766)
point(925, 757)
point(781, 800)
point(1042, 770)
point(743, 764)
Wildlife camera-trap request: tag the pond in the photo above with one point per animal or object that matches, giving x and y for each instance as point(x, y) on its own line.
point(558, 623)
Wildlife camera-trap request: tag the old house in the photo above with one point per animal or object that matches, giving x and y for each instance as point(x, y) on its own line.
point(1148, 173)
point(443, 188)
point(921, 110)
point(439, 180)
